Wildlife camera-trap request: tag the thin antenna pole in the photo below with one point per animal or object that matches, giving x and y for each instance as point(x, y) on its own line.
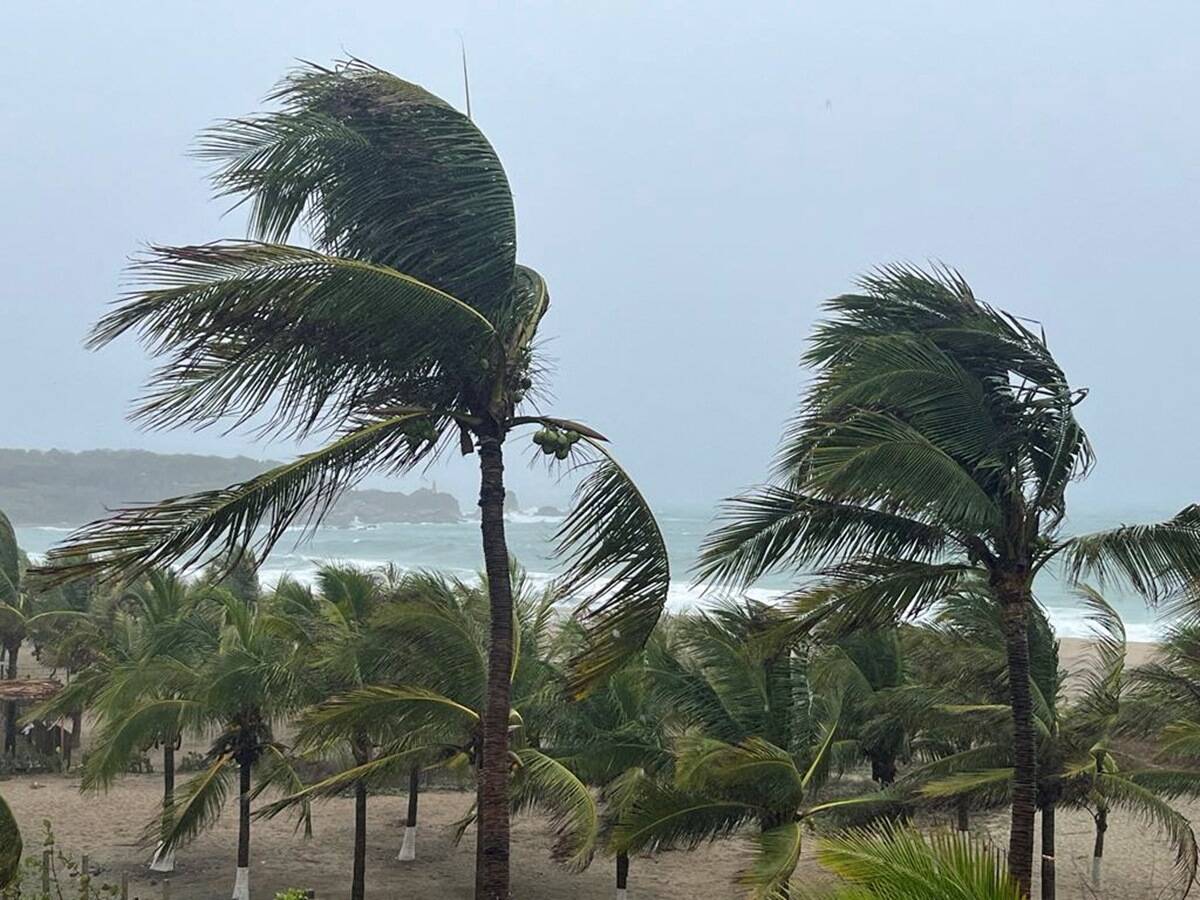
point(466, 79)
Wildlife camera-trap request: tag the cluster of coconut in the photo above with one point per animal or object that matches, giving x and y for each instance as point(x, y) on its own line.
point(420, 431)
point(551, 440)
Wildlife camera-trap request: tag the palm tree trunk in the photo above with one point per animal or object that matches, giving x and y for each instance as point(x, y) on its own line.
point(408, 849)
point(964, 814)
point(1098, 847)
point(10, 708)
point(1015, 610)
point(241, 885)
point(1048, 852)
point(165, 862)
point(622, 874)
point(491, 861)
point(358, 884)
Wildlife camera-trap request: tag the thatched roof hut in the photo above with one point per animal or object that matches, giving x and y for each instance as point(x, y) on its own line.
point(29, 690)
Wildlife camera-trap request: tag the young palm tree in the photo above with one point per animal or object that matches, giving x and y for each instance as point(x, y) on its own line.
point(618, 740)
point(140, 656)
point(333, 623)
point(422, 706)
point(406, 330)
point(760, 746)
point(936, 443)
point(246, 673)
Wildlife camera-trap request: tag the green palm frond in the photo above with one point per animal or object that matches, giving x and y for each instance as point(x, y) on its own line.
point(10, 562)
point(1180, 738)
point(544, 783)
point(774, 527)
point(383, 710)
point(315, 338)
point(137, 728)
point(1143, 802)
point(616, 558)
point(197, 807)
point(277, 772)
point(1153, 560)
point(380, 169)
point(987, 787)
point(902, 864)
point(754, 770)
point(776, 855)
point(663, 817)
point(138, 538)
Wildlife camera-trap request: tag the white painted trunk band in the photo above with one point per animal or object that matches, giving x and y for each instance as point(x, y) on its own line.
point(408, 849)
point(241, 886)
point(162, 862)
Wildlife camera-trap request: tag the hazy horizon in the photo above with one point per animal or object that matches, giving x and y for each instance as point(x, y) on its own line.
point(691, 179)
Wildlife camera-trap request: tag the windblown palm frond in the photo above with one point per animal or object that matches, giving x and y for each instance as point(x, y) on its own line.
point(138, 538)
point(776, 855)
point(544, 783)
point(197, 807)
point(615, 556)
point(315, 338)
point(902, 864)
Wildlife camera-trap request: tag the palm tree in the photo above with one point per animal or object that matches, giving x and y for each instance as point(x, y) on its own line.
point(406, 331)
point(244, 673)
point(618, 740)
point(334, 624)
point(1080, 763)
point(759, 747)
point(149, 647)
point(936, 443)
point(421, 706)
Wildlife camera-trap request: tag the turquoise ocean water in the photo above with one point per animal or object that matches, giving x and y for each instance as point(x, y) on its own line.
point(455, 548)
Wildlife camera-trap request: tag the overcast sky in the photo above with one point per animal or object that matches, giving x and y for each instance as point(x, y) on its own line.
point(692, 178)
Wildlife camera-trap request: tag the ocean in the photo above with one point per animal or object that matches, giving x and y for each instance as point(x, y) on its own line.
point(454, 548)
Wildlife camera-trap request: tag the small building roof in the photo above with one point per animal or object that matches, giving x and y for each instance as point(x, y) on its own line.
point(29, 690)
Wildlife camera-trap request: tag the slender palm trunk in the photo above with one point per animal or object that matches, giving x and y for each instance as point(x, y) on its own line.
point(241, 885)
point(1015, 611)
point(358, 884)
point(491, 861)
point(165, 862)
point(622, 875)
point(10, 708)
point(1098, 847)
point(408, 849)
point(964, 814)
point(1048, 852)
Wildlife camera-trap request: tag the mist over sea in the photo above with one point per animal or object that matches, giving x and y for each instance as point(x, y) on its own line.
point(454, 548)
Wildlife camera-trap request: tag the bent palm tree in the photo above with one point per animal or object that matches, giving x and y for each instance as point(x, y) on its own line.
point(408, 330)
point(937, 442)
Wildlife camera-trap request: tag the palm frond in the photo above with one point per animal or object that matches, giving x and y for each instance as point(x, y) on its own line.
point(774, 527)
point(901, 864)
point(1154, 560)
point(395, 711)
point(663, 816)
point(614, 555)
point(138, 538)
point(776, 855)
point(121, 738)
point(382, 170)
point(544, 783)
point(197, 807)
point(247, 327)
point(1144, 802)
point(277, 772)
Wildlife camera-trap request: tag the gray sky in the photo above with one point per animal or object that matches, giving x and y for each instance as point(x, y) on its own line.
point(692, 178)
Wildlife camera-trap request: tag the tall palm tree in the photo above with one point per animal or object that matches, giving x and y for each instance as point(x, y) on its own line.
point(936, 442)
point(405, 331)
point(421, 704)
point(1080, 761)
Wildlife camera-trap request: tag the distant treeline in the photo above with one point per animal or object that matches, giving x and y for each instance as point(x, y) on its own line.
point(53, 487)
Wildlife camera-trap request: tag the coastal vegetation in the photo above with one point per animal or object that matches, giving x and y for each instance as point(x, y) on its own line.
point(908, 674)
